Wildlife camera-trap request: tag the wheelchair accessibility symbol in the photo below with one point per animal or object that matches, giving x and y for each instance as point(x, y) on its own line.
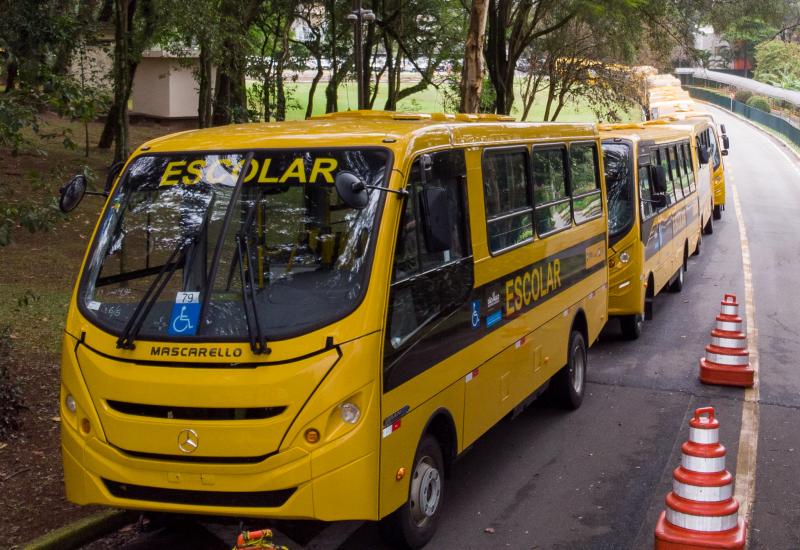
point(185, 312)
point(475, 318)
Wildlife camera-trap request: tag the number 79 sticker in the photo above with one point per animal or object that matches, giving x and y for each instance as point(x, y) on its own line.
point(185, 314)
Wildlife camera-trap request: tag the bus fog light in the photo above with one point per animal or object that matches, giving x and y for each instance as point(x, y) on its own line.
point(312, 435)
point(624, 257)
point(350, 412)
point(69, 401)
point(86, 426)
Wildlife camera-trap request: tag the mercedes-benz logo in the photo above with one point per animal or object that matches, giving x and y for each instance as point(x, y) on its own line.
point(188, 441)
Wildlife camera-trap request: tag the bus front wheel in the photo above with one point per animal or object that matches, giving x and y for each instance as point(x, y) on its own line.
point(414, 523)
point(570, 382)
point(717, 212)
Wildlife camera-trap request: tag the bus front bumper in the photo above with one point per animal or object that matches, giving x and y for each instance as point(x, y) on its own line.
point(282, 486)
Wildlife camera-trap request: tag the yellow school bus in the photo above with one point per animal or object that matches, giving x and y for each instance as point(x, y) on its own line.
point(707, 139)
point(314, 319)
point(654, 215)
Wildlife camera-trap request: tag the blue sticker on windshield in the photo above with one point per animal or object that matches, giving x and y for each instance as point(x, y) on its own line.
point(185, 313)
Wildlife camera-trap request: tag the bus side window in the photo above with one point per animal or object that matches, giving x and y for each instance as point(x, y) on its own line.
point(662, 160)
point(687, 160)
point(552, 211)
point(426, 285)
point(682, 168)
point(645, 192)
point(506, 192)
point(676, 172)
point(584, 182)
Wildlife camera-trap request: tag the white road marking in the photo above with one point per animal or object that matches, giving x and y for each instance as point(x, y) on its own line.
point(748, 435)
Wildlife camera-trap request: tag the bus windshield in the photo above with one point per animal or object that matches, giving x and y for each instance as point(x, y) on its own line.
point(619, 182)
point(193, 247)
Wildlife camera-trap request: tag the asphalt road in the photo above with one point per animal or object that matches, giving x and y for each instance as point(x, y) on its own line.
point(596, 478)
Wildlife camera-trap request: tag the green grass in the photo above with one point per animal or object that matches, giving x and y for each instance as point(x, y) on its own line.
point(432, 100)
point(37, 316)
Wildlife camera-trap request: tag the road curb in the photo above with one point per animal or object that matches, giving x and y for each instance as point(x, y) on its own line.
point(82, 531)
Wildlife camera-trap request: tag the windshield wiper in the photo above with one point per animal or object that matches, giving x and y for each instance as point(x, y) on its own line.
point(258, 342)
point(178, 256)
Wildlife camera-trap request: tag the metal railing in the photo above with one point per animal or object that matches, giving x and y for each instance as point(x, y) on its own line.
point(780, 125)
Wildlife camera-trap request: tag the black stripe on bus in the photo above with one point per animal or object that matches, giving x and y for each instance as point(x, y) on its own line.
point(453, 330)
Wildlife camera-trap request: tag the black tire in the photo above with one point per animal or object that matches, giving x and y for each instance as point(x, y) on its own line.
point(708, 228)
point(697, 246)
point(718, 212)
point(631, 326)
point(569, 384)
point(677, 283)
point(414, 523)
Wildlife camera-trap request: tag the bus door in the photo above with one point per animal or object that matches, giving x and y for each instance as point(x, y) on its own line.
point(650, 235)
point(499, 384)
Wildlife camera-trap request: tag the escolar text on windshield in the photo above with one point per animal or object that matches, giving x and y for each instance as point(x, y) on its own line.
point(221, 171)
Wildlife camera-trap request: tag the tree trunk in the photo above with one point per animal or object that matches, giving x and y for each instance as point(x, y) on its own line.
point(472, 74)
point(496, 52)
point(317, 77)
point(12, 69)
point(205, 91)
point(108, 135)
point(230, 98)
point(332, 89)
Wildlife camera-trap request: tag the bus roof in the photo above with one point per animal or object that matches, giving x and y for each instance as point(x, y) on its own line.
point(369, 128)
point(657, 131)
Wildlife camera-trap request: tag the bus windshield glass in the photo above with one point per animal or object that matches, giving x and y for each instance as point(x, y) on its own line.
point(194, 247)
point(619, 182)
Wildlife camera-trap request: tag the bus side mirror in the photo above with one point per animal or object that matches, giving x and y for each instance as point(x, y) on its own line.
point(659, 176)
point(726, 144)
point(436, 219)
point(352, 190)
point(722, 128)
point(72, 193)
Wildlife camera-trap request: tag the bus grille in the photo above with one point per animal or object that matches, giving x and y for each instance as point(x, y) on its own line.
point(258, 499)
point(195, 413)
point(197, 458)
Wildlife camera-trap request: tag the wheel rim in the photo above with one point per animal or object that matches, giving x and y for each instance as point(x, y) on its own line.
point(680, 275)
point(578, 369)
point(426, 490)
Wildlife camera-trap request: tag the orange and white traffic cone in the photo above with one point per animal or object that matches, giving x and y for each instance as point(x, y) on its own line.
point(727, 361)
point(701, 511)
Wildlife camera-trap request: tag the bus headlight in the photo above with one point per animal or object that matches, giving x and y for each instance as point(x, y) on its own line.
point(69, 402)
point(350, 412)
point(625, 257)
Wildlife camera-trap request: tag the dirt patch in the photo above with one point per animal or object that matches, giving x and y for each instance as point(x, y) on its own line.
point(37, 274)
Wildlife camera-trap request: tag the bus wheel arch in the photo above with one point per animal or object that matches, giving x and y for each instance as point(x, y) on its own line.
point(649, 295)
point(415, 522)
point(442, 427)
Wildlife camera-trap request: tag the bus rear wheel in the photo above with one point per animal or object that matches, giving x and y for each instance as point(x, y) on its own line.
point(708, 228)
point(631, 326)
point(569, 384)
point(414, 523)
point(717, 212)
point(677, 283)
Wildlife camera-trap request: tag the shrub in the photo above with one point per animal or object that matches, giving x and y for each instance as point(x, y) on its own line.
point(759, 102)
point(10, 394)
point(743, 95)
